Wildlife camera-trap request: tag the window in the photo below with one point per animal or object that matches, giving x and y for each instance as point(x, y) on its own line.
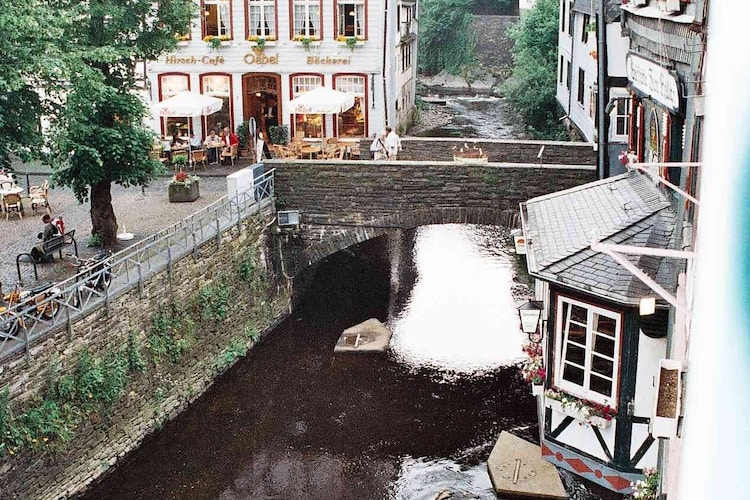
point(406, 56)
point(562, 69)
point(564, 16)
point(306, 19)
point(170, 85)
point(585, 28)
point(622, 117)
point(218, 86)
point(351, 18)
point(581, 85)
point(307, 125)
point(568, 75)
point(587, 350)
point(261, 18)
point(351, 123)
point(216, 19)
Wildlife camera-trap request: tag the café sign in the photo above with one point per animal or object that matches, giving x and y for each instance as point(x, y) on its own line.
point(652, 79)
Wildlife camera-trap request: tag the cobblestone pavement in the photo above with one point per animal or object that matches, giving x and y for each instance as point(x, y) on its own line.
point(141, 212)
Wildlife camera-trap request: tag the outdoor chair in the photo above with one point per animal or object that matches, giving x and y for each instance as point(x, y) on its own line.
point(199, 156)
point(231, 154)
point(6, 185)
point(12, 204)
point(39, 196)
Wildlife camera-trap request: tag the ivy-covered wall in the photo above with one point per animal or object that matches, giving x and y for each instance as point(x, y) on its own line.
point(85, 401)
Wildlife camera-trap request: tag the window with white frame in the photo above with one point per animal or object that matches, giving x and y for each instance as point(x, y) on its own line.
point(261, 18)
point(306, 18)
point(218, 86)
point(587, 350)
point(351, 18)
point(352, 121)
point(170, 85)
point(621, 117)
point(306, 125)
point(216, 22)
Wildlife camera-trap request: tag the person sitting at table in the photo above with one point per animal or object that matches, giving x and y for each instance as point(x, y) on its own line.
point(229, 139)
point(50, 230)
point(211, 141)
point(195, 142)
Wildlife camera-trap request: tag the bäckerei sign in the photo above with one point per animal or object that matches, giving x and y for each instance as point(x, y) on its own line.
point(652, 79)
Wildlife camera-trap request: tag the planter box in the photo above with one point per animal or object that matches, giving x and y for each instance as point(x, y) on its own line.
point(556, 405)
point(470, 161)
point(179, 193)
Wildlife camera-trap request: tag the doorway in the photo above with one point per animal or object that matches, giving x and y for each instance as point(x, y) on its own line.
point(260, 100)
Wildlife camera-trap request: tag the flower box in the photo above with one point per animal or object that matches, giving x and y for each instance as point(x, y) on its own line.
point(577, 414)
point(180, 193)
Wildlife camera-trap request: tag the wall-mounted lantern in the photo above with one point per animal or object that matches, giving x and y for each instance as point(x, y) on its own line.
point(531, 314)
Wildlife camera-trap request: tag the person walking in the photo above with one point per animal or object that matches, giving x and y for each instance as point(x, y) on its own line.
point(378, 149)
point(392, 143)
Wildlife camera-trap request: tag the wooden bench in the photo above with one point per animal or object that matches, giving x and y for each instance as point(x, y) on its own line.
point(49, 247)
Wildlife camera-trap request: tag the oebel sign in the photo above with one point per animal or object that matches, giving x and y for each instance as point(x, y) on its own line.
point(652, 79)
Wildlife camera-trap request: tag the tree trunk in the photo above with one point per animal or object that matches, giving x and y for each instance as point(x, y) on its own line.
point(103, 220)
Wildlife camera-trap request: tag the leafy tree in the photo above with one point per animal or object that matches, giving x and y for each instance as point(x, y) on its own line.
point(32, 59)
point(99, 137)
point(530, 90)
point(446, 40)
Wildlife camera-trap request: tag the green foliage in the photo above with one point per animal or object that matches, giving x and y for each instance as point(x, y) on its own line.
point(252, 333)
point(214, 42)
point(531, 88)
point(235, 349)
point(260, 44)
point(213, 302)
point(279, 134)
point(179, 161)
point(170, 335)
point(247, 266)
point(95, 241)
point(351, 42)
point(447, 41)
point(243, 134)
point(136, 363)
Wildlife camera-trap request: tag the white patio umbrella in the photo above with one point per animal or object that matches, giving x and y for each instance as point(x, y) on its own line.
point(187, 104)
point(321, 101)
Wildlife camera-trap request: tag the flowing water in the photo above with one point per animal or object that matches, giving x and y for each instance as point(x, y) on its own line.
point(293, 421)
point(475, 116)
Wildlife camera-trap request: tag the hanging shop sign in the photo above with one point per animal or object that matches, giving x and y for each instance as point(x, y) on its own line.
point(652, 79)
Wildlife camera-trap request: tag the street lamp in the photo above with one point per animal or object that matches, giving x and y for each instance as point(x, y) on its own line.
point(531, 314)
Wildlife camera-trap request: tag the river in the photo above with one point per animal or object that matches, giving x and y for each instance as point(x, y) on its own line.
point(293, 421)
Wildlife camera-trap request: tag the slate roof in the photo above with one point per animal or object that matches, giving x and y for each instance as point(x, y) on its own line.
point(627, 209)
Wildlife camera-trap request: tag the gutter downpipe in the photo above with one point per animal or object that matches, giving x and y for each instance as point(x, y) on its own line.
point(572, 57)
point(385, 58)
point(602, 94)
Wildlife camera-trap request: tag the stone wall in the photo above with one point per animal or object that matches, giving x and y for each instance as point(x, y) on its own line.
point(494, 46)
point(499, 150)
point(163, 390)
point(343, 203)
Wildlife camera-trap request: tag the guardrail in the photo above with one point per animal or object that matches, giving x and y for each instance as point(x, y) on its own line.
point(38, 315)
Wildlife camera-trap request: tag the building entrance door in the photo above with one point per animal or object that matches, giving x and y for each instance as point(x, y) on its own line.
point(260, 100)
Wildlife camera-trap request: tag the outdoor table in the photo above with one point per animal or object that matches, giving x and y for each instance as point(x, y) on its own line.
point(310, 150)
point(216, 146)
point(15, 189)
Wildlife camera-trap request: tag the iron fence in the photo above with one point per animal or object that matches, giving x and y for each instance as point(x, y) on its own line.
point(37, 315)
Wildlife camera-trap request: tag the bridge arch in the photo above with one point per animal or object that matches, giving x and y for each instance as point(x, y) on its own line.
point(337, 238)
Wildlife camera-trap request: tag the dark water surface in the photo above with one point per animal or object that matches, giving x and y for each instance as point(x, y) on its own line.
point(293, 421)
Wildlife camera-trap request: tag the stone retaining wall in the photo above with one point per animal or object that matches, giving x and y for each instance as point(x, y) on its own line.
point(161, 392)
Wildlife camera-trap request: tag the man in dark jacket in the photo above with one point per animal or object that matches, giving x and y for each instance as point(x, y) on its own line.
point(50, 230)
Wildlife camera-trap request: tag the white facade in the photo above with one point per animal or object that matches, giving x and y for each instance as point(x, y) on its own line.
point(353, 46)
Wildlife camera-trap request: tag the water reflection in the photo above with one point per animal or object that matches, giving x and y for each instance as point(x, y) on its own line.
point(460, 315)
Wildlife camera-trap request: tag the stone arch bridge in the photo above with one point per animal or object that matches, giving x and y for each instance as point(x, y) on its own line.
point(345, 203)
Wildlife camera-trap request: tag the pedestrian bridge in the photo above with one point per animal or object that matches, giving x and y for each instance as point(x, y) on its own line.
point(343, 203)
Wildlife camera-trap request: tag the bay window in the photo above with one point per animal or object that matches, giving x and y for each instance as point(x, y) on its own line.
point(587, 351)
point(306, 19)
point(216, 19)
point(261, 16)
point(351, 18)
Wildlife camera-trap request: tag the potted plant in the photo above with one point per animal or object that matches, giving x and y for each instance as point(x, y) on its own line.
point(532, 370)
point(260, 44)
point(279, 134)
point(243, 134)
point(306, 41)
point(183, 187)
point(215, 42)
point(648, 487)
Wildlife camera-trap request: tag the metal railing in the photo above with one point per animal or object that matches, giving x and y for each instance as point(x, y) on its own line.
point(37, 316)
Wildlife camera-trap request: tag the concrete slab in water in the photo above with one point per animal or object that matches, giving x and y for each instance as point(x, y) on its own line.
point(517, 469)
point(368, 336)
